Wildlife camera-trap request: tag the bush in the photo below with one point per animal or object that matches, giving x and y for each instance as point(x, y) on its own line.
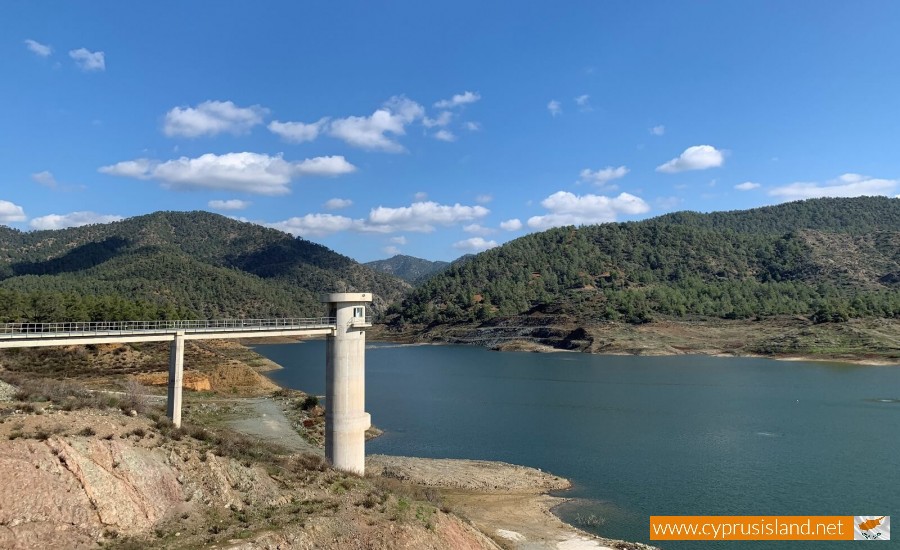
point(309, 402)
point(246, 449)
point(309, 462)
point(135, 396)
point(139, 432)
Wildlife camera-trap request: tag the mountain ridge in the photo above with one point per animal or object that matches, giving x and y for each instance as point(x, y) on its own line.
point(409, 268)
point(775, 260)
point(197, 262)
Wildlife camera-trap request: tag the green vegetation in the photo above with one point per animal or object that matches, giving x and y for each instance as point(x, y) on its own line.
point(173, 264)
point(829, 259)
point(412, 270)
point(309, 402)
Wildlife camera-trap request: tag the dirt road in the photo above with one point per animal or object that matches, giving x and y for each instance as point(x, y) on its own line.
point(267, 421)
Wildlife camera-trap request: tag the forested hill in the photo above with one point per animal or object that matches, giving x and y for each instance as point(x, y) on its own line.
point(171, 264)
point(411, 269)
point(829, 259)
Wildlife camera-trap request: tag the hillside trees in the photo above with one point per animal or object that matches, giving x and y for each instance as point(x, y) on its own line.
point(732, 265)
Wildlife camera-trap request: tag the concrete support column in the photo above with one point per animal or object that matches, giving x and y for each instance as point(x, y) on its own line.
point(176, 376)
point(346, 421)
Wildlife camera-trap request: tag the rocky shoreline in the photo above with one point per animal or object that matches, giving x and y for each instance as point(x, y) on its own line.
point(506, 502)
point(857, 341)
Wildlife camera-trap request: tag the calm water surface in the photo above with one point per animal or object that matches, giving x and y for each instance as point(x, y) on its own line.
point(685, 435)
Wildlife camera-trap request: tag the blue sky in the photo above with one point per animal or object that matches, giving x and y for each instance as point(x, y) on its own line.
point(434, 129)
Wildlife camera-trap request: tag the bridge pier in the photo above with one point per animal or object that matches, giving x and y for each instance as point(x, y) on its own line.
point(176, 377)
point(346, 421)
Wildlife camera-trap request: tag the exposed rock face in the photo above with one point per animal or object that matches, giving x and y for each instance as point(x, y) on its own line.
point(79, 491)
point(71, 493)
point(67, 496)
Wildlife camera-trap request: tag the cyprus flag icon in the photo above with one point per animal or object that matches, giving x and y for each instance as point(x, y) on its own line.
point(871, 527)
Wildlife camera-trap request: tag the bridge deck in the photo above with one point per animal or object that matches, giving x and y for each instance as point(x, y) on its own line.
point(55, 334)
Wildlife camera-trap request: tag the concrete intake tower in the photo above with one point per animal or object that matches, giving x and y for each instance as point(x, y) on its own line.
point(346, 420)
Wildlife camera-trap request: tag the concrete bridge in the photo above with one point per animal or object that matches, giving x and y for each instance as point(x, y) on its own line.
point(343, 326)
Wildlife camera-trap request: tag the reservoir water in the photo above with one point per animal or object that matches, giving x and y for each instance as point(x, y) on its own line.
point(641, 436)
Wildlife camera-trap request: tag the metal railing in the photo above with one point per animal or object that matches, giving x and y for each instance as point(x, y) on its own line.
point(49, 330)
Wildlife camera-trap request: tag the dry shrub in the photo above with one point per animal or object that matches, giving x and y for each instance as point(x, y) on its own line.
point(66, 395)
point(308, 462)
point(135, 396)
point(246, 449)
point(409, 490)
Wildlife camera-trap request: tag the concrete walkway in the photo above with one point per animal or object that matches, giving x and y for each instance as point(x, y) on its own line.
point(267, 421)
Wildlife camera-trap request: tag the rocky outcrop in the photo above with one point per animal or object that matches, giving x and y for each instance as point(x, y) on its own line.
point(67, 496)
point(81, 491)
point(74, 492)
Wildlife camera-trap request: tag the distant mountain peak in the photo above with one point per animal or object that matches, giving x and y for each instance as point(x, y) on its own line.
point(409, 268)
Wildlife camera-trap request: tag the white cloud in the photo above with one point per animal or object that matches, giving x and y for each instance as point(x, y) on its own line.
point(399, 239)
point(457, 100)
point(442, 119)
point(420, 196)
point(747, 186)
point(74, 219)
point(137, 168)
point(658, 130)
point(315, 225)
point(88, 60)
point(248, 172)
point(604, 176)
point(484, 199)
point(568, 209)
point(474, 244)
point(422, 216)
point(554, 107)
point(477, 229)
point(10, 212)
point(231, 204)
point(335, 165)
point(847, 185)
point(472, 126)
point(44, 178)
point(37, 48)
point(511, 225)
point(370, 132)
point(337, 204)
point(298, 132)
point(211, 118)
point(391, 250)
point(445, 135)
point(698, 157)
point(584, 103)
